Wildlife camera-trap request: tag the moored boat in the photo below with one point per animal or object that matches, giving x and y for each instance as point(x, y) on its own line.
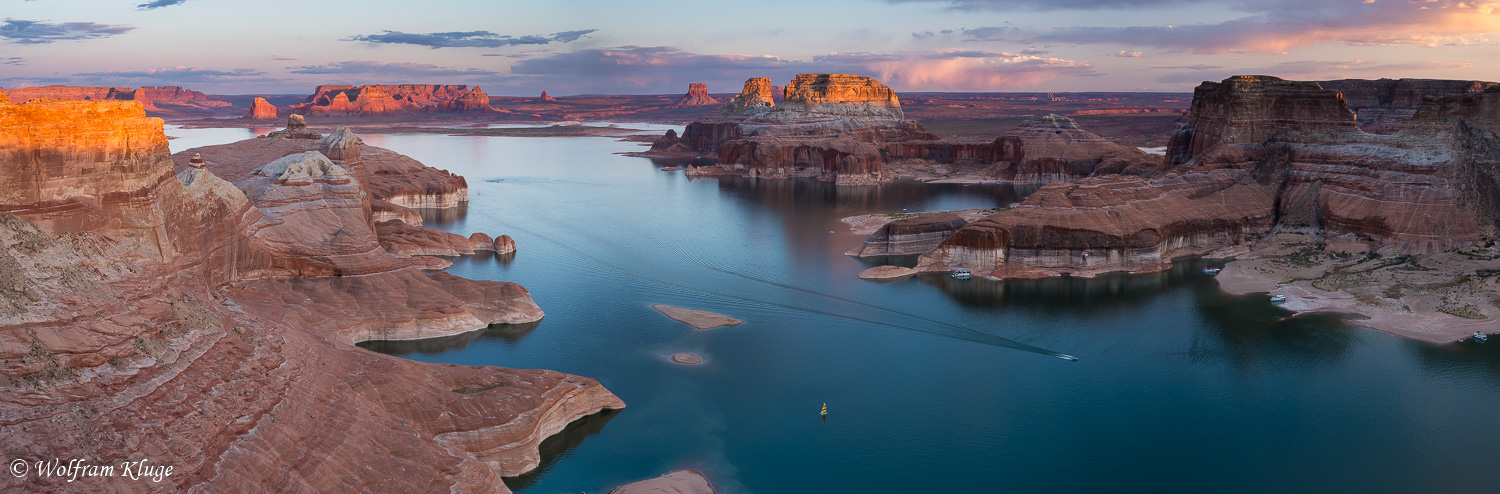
point(1276, 299)
point(962, 274)
point(1211, 271)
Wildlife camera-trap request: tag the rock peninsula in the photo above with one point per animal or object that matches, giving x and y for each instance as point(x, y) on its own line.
point(207, 321)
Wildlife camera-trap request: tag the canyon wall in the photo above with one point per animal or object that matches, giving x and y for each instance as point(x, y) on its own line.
point(1382, 105)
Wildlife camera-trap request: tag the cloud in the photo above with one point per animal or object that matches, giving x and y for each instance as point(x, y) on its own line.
point(177, 75)
point(631, 68)
point(1129, 54)
point(36, 32)
point(959, 70)
point(987, 33)
point(282, 59)
point(13, 61)
point(158, 4)
point(1034, 51)
point(469, 39)
point(1311, 70)
point(923, 35)
point(393, 69)
point(1276, 26)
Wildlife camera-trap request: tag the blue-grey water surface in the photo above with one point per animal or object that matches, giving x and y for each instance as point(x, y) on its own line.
point(1178, 388)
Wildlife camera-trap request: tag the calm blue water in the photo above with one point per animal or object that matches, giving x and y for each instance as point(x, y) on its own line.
point(1177, 388)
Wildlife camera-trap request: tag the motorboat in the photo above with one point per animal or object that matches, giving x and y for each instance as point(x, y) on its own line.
point(1212, 271)
point(1276, 299)
point(961, 274)
point(1480, 337)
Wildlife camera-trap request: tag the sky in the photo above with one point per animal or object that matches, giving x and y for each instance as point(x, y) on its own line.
point(659, 47)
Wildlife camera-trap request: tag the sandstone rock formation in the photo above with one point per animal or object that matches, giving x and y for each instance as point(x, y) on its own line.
point(678, 482)
point(396, 183)
point(697, 95)
point(260, 109)
point(148, 96)
point(847, 129)
point(545, 97)
point(1382, 105)
point(918, 234)
point(392, 99)
point(471, 102)
point(504, 244)
point(755, 96)
point(886, 273)
point(1257, 153)
point(148, 314)
point(698, 319)
point(296, 128)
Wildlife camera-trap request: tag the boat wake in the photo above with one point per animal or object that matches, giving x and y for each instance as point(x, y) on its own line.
point(919, 324)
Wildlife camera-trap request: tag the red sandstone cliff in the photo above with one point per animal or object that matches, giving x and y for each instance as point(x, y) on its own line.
point(260, 109)
point(160, 315)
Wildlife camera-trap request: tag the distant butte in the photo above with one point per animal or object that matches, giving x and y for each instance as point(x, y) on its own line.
point(697, 95)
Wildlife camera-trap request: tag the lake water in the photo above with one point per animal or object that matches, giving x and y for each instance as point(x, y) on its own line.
point(932, 384)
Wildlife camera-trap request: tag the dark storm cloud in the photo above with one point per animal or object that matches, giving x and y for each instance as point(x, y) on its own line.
point(469, 39)
point(36, 32)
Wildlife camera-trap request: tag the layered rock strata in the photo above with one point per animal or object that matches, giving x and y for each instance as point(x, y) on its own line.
point(145, 316)
point(915, 235)
point(697, 95)
point(1256, 153)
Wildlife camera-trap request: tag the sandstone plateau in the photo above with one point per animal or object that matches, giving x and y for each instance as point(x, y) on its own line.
point(1381, 105)
point(393, 99)
point(1256, 153)
point(206, 322)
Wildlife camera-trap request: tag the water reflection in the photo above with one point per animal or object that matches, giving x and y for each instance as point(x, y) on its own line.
point(510, 334)
point(435, 217)
point(1068, 294)
point(559, 446)
point(800, 196)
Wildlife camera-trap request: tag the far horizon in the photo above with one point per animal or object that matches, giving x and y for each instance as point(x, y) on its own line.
point(649, 48)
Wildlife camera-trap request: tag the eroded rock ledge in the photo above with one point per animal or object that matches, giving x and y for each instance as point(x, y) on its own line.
point(144, 314)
